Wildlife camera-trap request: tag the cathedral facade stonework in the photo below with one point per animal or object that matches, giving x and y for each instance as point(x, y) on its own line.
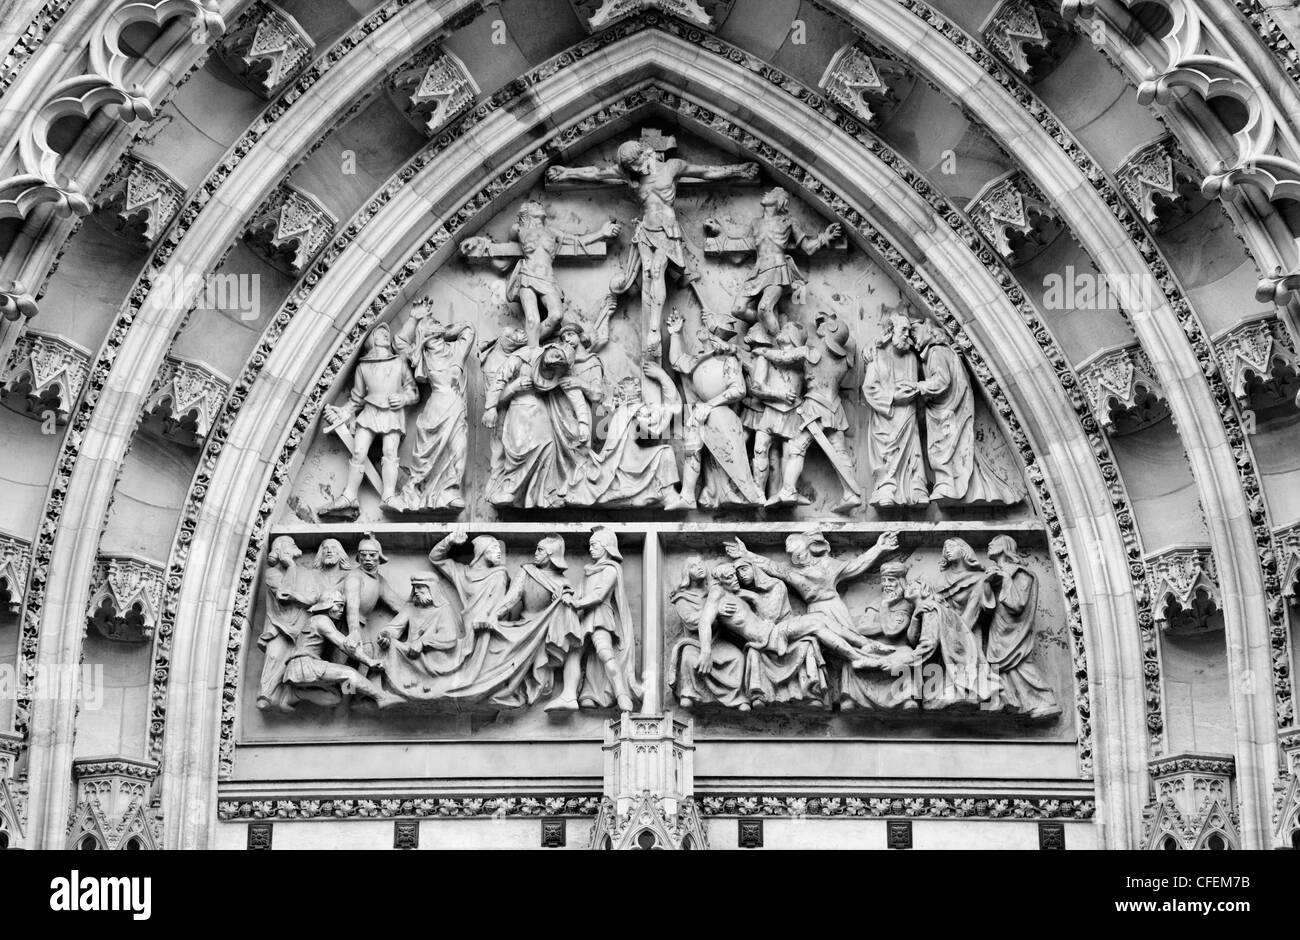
point(659, 425)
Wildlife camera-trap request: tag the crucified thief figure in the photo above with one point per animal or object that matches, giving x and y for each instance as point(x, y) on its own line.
point(657, 241)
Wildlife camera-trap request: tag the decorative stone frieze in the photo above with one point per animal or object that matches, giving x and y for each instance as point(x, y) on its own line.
point(1122, 389)
point(1014, 217)
point(1161, 185)
point(266, 49)
point(1258, 359)
point(598, 14)
point(496, 806)
point(864, 83)
point(44, 376)
point(1193, 806)
point(125, 598)
point(431, 92)
point(649, 786)
point(1185, 590)
point(188, 397)
point(1029, 36)
point(1286, 807)
point(15, 563)
point(139, 201)
point(290, 229)
point(113, 805)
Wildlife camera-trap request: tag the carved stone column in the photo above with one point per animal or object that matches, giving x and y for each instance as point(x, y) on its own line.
point(15, 563)
point(125, 598)
point(12, 815)
point(1121, 387)
point(649, 786)
point(1194, 805)
point(1185, 590)
point(112, 808)
point(1286, 811)
point(1015, 217)
point(44, 375)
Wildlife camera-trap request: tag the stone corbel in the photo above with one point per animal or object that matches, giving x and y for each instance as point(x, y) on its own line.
point(15, 564)
point(37, 181)
point(266, 49)
point(1122, 389)
point(188, 397)
point(865, 83)
point(290, 229)
point(1258, 361)
point(113, 807)
point(1184, 590)
point(125, 598)
point(44, 376)
point(1287, 541)
point(649, 786)
point(1194, 806)
point(1030, 36)
point(1015, 217)
point(12, 809)
point(433, 90)
point(1161, 185)
point(598, 14)
point(1286, 806)
point(139, 201)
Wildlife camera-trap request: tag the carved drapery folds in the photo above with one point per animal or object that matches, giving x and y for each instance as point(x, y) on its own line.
point(1286, 806)
point(1161, 185)
point(12, 813)
point(1194, 806)
point(290, 229)
point(1288, 546)
point(864, 83)
point(139, 201)
point(1029, 36)
point(113, 805)
point(188, 397)
point(598, 14)
point(266, 49)
point(32, 178)
point(44, 376)
point(15, 564)
point(1015, 217)
point(433, 90)
point(1258, 360)
point(649, 786)
point(125, 598)
point(1122, 389)
point(1185, 590)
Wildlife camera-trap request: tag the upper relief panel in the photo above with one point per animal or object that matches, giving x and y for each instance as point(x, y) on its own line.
point(658, 328)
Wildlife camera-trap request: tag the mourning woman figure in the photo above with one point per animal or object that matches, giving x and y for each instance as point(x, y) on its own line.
point(720, 677)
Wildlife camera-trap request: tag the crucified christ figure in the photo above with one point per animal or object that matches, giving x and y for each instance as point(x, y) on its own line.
point(657, 241)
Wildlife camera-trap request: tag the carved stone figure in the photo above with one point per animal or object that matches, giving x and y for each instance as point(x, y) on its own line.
point(545, 430)
point(959, 470)
point(427, 630)
point(798, 675)
point(480, 585)
point(537, 595)
point(713, 436)
point(437, 354)
point(290, 590)
point(382, 390)
point(775, 275)
point(962, 588)
point(776, 389)
point(892, 685)
point(306, 667)
point(889, 388)
point(532, 280)
point(331, 566)
point(694, 679)
point(603, 659)
point(815, 575)
point(492, 355)
point(1014, 590)
point(364, 589)
point(657, 242)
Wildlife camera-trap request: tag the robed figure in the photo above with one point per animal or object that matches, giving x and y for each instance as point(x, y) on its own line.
point(962, 589)
point(889, 388)
point(290, 591)
point(1014, 593)
point(721, 679)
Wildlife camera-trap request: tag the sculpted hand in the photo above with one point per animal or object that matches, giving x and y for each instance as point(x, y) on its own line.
point(490, 419)
point(832, 232)
point(748, 171)
point(735, 548)
point(396, 401)
point(557, 174)
point(524, 384)
point(675, 322)
point(728, 608)
point(458, 535)
point(700, 411)
point(333, 414)
point(888, 541)
point(705, 663)
point(610, 230)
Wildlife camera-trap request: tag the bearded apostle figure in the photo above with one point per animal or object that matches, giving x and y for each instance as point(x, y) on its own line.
point(1014, 593)
point(889, 388)
point(960, 472)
